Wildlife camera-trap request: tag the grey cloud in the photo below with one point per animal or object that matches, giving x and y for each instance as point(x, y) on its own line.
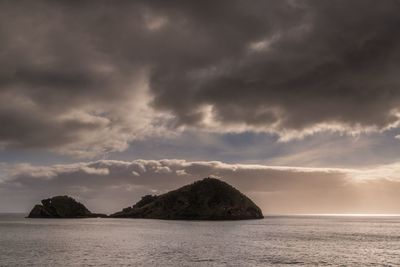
point(332, 64)
point(108, 185)
point(78, 77)
point(64, 85)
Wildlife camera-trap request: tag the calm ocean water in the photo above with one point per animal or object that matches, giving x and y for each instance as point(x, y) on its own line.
point(291, 240)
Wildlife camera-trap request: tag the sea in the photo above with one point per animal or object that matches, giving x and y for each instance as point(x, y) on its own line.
point(274, 241)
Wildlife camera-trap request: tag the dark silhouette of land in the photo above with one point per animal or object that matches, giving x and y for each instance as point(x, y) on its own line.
point(62, 207)
point(207, 199)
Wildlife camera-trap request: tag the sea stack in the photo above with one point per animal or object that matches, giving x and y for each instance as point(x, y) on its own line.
point(62, 207)
point(207, 199)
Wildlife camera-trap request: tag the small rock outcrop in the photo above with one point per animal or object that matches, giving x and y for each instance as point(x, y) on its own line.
point(207, 199)
point(62, 207)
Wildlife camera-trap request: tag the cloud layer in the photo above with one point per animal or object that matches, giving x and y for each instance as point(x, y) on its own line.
point(291, 67)
point(86, 79)
point(107, 185)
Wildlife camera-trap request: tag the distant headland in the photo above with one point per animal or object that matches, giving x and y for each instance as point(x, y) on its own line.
point(207, 199)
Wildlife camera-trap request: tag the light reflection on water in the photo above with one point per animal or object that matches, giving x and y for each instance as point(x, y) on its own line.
point(280, 240)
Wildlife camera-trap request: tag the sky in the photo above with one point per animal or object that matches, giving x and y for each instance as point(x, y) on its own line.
point(296, 103)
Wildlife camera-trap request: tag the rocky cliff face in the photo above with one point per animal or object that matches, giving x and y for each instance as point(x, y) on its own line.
point(207, 199)
point(61, 207)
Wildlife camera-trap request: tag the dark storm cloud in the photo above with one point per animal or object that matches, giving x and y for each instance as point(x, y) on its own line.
point(77, 77)
point(64, 83)
point(308, 63)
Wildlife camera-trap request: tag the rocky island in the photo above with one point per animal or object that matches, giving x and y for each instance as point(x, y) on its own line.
point(62, 207)
point(207, 199)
